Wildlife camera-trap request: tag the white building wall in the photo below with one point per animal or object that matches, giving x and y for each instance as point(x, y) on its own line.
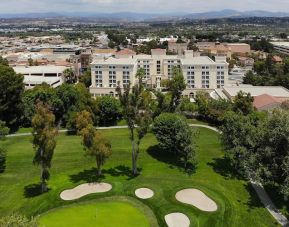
point(206, 71)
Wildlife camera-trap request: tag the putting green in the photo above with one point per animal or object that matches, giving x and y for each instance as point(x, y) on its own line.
point(104, 214)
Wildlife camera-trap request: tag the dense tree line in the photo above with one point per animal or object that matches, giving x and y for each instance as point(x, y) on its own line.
point(261, 45)
point(258, 146)
point(267, 72)
point(11, 90)
point(146, 47)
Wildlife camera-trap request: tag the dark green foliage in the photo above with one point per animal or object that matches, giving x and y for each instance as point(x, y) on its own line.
point(176, 136)
point(210, 109)
point(64, 100)
point(2, 160)
point(187, 106)
point(243, 103)
point(11, 90)
point(268, 73)
point(258, 146)
point(116, 38)
point(262, 45)
point(175, 87)
point(241, 138)
point(44, 141)
point(108, 110)
point(136, 110)
point(3, 61)
point(146, 47)
point(85, 78)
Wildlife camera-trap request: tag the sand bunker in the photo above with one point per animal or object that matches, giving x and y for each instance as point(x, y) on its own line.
point(84, 189)
point(196, 198)
point(144, 193)
point(177, 220)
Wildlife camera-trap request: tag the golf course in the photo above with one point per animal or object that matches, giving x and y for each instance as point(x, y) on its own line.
point(233, 201)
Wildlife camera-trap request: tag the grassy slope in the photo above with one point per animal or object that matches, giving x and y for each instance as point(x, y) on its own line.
point(98, 213)
point(238, 204)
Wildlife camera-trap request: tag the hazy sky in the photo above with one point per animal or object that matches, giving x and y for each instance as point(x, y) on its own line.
point(160, 6)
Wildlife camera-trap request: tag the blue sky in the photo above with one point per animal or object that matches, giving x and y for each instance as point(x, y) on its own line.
point(159, 6)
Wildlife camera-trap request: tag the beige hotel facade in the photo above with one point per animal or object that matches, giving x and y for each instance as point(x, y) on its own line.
point(200, 72)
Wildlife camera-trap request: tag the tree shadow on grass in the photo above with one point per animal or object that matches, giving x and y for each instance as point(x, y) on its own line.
point(254, 201)
point(278, 198)
point(121, 170)
point(33, 190)
point(90, 174)
point(2, 165)
point(171, 159)
point(224, 167)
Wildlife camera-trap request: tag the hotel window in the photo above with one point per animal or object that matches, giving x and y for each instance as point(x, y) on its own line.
point(190, 79)
point(125, 78)
point(220, 79)
point(112, 67)
point(98, 78)
point(158, 67)
point(98, 67)
point(205, 79)
point(147, 71)
point(112, 79)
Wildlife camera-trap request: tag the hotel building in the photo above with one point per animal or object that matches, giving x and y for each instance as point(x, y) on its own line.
point(200, 72)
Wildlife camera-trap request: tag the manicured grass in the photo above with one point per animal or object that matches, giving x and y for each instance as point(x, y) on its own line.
point(196, 121)
point(96, 213)
point(23, 130)
point(121, 123)
point(238, 205)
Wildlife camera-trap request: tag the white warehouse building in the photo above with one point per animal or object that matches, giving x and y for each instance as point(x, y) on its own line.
point(200, 72)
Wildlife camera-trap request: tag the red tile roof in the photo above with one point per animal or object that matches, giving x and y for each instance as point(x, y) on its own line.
point(264, 100)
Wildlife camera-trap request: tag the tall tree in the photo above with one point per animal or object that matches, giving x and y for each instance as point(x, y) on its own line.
point(44, 141)
point(176, 136)
point(176, 85)
point(85, 78)
point(100, 150)
point(135, 104)
point(11, 90)
point(94, 143)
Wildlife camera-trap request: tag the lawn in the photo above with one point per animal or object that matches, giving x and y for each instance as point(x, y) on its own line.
point(238, 205)
point(96, 213)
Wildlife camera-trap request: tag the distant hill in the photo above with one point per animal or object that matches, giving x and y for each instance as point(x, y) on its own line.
point(130, 16)
point(228, 13)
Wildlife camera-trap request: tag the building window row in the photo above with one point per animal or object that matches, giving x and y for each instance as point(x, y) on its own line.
point(98, 78)
point(112, 78)
point(125, 78)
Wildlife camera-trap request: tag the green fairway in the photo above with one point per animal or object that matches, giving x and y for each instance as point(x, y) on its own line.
point(238, 204)
point(104, 214)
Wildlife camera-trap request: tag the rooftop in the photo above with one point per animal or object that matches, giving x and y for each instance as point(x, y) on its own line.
point(275, 91)
point(264, 100)
point(281, 44)
point(39, 69)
